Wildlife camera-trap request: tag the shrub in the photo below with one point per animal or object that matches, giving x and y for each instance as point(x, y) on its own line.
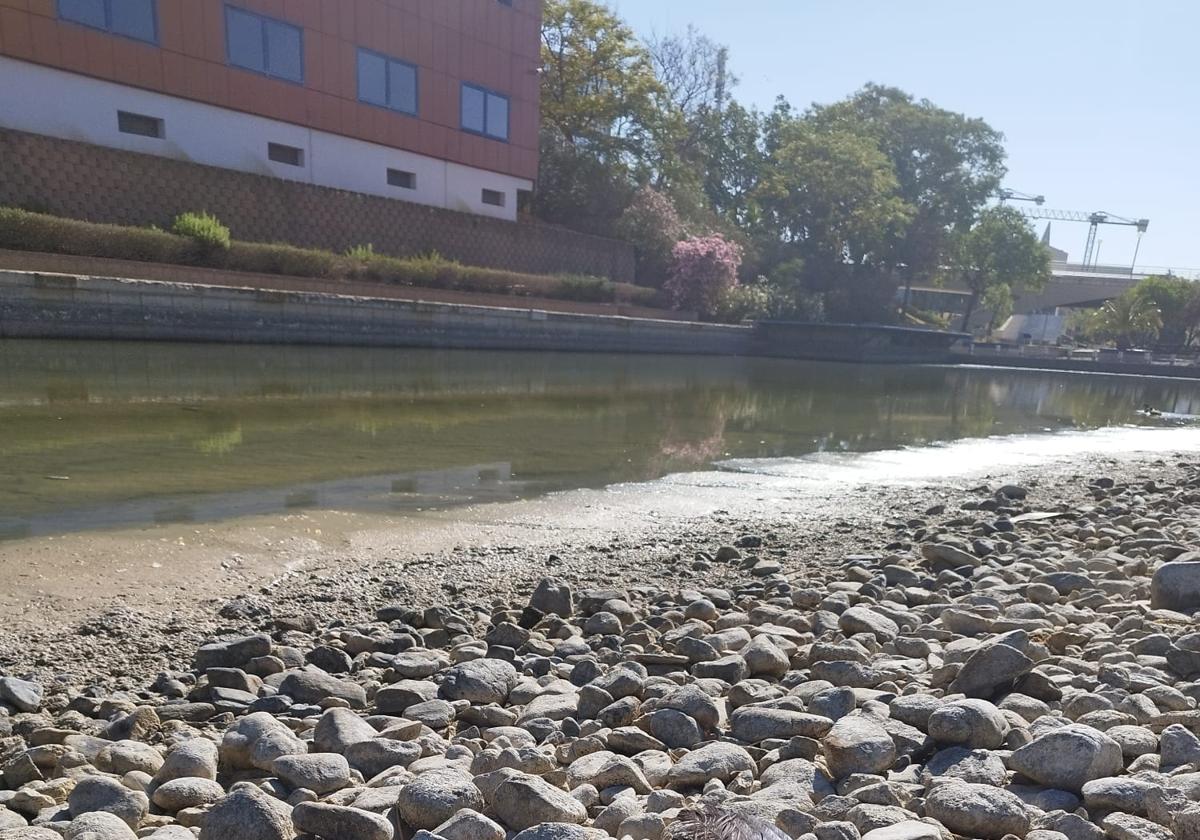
point(766, 299)
point(22, 230)
point(25, 231)
point(275, 258)
point(586, 287)
point(204, 229)
point(703, 269)
point(652, 225)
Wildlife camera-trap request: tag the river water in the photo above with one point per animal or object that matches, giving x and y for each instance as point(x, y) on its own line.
point(106, 434)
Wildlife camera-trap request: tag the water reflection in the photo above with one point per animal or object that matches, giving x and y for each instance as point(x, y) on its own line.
point(148, 433)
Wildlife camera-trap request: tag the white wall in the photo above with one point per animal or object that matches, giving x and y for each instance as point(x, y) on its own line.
point(42, 100)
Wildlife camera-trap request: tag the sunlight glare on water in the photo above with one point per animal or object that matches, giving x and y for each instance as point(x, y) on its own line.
point(968, 458)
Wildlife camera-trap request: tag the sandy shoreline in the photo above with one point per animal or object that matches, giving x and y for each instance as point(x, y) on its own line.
point(117, 607)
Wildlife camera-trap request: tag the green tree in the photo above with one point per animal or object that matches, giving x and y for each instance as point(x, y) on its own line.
point(1127, 321)
point(733, 165)
point(830, 199)
point(1178, 302)
point(600, 114)
point(946, 166)
point(998, 258)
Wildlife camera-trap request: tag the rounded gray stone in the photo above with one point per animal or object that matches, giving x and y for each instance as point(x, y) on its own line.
point(336, 822)
point(248, 814)
point(433, 797)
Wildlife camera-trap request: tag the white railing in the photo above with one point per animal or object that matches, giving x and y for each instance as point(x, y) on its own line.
point(1124, 270)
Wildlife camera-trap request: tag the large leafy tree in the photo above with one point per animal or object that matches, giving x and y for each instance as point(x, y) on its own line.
point(998, 258)
point(1178, 303)
point(946, 166)
point(828, 197)
point(600, 114)
point(1128, 320)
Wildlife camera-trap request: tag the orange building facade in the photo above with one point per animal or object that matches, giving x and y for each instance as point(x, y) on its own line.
point(430, 101)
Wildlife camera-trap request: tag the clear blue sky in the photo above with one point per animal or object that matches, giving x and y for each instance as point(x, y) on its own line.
point(1099, 101)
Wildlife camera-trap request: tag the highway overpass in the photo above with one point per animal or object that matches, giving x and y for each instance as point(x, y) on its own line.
point(1071, 285)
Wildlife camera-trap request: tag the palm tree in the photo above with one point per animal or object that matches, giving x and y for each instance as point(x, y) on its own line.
point(1128, 320)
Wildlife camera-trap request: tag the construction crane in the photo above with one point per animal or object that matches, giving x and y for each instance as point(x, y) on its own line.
point(1094, 221)
point(1016, 195)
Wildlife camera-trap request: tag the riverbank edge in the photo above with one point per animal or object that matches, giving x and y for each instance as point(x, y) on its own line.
point(67, 306)
point(474, 559)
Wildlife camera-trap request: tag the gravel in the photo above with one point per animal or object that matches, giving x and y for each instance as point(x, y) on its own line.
point(1019, 664)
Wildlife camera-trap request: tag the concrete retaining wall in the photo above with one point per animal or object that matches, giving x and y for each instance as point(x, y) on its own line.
point(85, 181)
point(64, 306)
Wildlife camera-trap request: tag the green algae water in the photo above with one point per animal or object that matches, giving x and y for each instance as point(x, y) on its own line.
point(106, 434)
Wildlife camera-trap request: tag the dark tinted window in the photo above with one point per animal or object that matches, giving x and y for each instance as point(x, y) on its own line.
point(400, 178)
point(372, 78)
point(264, 45)
point(131, 18)
point(87, 12)
point(474, 109)
point(484, 112)
point(387, 82)
point(130, 123)
point(285, 154)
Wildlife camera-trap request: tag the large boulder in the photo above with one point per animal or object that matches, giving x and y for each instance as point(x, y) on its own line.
point(337, 822)
point(480, 681)
point(248, 814)
point(552, 596)
point(312, 685)
point(22, 695)
point(525, 801)
point(1176, 585)
point(255, 741)
point(194, 758)
point(981, 811)
point(1068, 757)
point(340, 728)
point(321, 773)
point(993, 666)
point(434, 797)
point(752, 724)
point(718, 760)
point(103, 793)
point(98, 825)
point(858, 744)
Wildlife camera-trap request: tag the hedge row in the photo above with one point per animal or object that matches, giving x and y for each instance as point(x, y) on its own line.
point(22, 230)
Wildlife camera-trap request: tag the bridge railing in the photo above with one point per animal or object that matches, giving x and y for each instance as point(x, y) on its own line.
point(1137, 272)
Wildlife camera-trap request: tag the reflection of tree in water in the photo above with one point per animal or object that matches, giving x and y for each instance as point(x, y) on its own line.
point(694, 424)
point(222, 432)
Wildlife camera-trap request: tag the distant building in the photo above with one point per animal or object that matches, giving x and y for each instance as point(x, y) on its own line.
point(427, 101)
point(1056, 254)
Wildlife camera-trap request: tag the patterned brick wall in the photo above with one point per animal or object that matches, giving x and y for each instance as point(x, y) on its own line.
point(107, 185)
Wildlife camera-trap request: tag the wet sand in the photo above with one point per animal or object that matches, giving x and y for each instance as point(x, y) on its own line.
point(118, 606)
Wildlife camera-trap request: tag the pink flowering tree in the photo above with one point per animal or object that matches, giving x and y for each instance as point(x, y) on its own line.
point(703, 269)
point(651, 223)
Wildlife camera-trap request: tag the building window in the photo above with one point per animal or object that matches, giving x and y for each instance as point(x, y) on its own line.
point(140, 124)
point(285, 154)
point(506, 3)
point(402, 179)
point(493, 197)
point(387, 82)
point(131, 18)
point(484, 112)
point(264, 45)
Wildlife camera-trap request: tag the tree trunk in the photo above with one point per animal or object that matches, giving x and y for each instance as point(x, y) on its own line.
point(969, 311)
